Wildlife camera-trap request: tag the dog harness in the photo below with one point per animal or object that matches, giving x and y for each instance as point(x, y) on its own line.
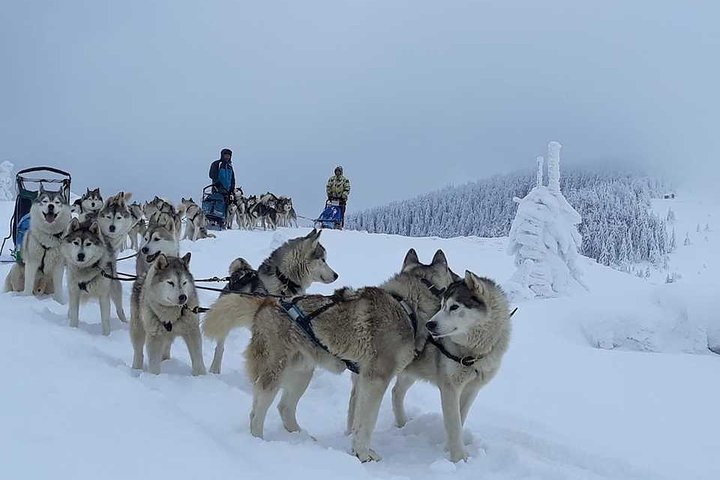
point(84, 285)
point(304, 322)
point(238, 282)
point(45, 250)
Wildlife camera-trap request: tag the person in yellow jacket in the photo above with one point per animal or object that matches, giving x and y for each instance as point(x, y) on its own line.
point(338, 188)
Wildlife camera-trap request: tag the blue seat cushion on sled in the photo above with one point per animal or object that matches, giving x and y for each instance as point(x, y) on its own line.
point(214, 206)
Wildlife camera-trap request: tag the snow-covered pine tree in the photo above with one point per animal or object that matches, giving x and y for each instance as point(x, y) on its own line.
point(544, 238)
point(7, 181)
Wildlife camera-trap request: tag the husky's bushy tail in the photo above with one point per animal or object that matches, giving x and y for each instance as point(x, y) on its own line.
point(231, 311)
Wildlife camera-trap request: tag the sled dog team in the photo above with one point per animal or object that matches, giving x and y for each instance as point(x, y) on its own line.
point(424, 323)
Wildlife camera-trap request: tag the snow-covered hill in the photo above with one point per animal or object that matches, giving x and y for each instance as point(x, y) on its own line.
point(559, 408)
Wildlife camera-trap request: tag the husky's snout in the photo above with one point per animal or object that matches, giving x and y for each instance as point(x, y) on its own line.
point(81, 257)
point(112, 228)
point(182, 299)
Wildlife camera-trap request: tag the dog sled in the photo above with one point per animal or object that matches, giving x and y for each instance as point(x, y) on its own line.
point(28, 183)
point(331, 217)
point(214, 206)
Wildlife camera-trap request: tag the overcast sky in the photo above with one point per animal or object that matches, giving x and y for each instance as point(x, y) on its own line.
point(407, 95)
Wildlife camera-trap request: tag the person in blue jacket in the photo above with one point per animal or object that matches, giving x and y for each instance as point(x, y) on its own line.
point(223, 175)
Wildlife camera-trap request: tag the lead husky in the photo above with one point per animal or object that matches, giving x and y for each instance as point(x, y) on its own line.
point(288, 271)
point(43, 267)
point(369, 330)
point(162, 310)
point(470, 334)
point(87, 257)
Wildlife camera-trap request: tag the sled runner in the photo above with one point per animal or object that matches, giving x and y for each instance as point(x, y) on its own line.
point(28, 183)
point(331, 217)
point(214, 205)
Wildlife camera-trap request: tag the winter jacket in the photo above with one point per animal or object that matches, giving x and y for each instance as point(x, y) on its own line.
point(338, 187)
point(222, 176)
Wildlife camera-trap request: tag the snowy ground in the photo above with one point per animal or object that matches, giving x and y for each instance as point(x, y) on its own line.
point(644, 405)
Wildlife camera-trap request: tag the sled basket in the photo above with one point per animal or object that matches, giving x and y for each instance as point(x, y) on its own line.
point(214, 206)
point(331, 217)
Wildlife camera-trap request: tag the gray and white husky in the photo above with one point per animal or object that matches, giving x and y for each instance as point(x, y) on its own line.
point(288, 271)
point(157, 239)
point(370, 330)
point(195, 221)
point(115, 221)
point(43, 268)
point(87, 256)
point(139, 225)
point(90, 204)
point(470, 335)
point(161, 310)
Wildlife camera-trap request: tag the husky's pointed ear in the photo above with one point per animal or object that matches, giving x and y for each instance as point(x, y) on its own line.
point(94, 229)
point(439, 259)
point(474, 283)
point(182, 199)
point(161, 262)
point(186, 259)
point(314, 236)
point(73, 226)
point(411, 260)
point(88, 190)
point(41, 190)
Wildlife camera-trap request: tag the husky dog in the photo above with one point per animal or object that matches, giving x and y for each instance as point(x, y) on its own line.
point(266, 211)
point(288, 271)
point(243, 279)
point(87, 256)
point(76, 208)
point(157, 239)
point(160, 212)
point(195, 221)
point(469, 336)
point(43, 268)
point(371, 330)
point(286, 215)
point(115, 221)
point(138, 226)
point(90, 204)
point(162, 309)
point(231, 215)
point(242, 213)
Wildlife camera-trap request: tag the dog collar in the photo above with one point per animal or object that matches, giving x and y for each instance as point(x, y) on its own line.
point(291, 287)
point(466, 361)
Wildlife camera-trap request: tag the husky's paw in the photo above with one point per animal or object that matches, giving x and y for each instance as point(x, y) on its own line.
point(458, 454)
point(367, 455)
point(214, 370)
point(196, 372)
